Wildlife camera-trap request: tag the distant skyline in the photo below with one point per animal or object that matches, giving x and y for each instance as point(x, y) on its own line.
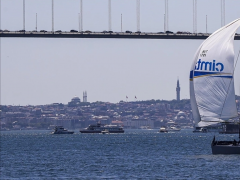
point(43, 71)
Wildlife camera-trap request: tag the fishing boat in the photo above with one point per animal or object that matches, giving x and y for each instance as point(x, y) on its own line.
point(212, 93)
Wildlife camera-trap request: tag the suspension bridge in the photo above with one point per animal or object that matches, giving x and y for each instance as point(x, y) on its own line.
point(80, 33)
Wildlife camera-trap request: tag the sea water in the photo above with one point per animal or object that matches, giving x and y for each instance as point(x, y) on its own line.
point(136, 154)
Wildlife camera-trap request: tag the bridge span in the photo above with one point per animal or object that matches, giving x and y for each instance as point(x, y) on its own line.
point(123, 35)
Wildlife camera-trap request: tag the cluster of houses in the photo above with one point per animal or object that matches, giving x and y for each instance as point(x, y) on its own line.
point(77, 114)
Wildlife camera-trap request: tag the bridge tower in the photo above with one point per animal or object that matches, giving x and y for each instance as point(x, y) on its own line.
point(178, 91)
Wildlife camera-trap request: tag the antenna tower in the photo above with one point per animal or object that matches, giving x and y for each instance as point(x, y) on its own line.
point(138, 14)
point(109, 15)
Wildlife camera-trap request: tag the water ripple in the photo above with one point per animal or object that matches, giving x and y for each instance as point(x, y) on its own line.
point(136, 154)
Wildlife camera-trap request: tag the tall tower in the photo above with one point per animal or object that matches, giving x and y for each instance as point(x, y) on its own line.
point(178, 90)
point(84, 96)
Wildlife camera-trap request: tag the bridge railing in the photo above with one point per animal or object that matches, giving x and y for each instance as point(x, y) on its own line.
point(90, 34)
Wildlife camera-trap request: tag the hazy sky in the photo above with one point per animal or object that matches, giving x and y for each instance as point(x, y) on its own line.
point(42, 71)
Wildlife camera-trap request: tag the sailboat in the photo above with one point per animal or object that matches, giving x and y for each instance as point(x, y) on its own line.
point(212, 93)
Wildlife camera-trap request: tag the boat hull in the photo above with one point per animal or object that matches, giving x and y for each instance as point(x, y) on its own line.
point(62, 132)
point(163, 131)
point(174, 130)
point(89, 131)
point(225, 149)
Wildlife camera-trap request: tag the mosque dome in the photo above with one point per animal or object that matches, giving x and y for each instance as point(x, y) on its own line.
point(180, 113)
point(75, 97)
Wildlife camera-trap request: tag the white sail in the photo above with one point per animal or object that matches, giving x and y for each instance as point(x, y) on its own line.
point(211, 78)
point(195, 112)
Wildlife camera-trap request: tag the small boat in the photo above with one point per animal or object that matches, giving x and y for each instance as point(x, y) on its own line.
point(61, 130)
point(163, 130)
point(173, 128)
point(146, 127)
point(212, 92)
point(200, 130)
point(106, 131)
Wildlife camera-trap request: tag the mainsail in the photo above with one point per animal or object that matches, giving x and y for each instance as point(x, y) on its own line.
point(212, 91)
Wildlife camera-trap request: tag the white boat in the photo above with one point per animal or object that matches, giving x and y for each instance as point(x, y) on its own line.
point(61, 130)
point(212, 93)
point(163, 130)
point(173, 128)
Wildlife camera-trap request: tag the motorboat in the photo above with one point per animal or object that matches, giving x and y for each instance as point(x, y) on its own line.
point(173, 128)
point(61, 130)
point(163, 130)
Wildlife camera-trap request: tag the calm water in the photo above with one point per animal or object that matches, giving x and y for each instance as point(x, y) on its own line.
point(136, 154)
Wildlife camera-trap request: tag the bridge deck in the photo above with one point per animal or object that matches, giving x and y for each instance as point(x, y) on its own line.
point(106, 35)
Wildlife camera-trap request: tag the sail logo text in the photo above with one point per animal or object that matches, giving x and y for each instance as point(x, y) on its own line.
point(209, 66)
point(204, 53)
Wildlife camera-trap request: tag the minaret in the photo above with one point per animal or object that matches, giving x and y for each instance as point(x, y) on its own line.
point(178, 90)
point(84, 96)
